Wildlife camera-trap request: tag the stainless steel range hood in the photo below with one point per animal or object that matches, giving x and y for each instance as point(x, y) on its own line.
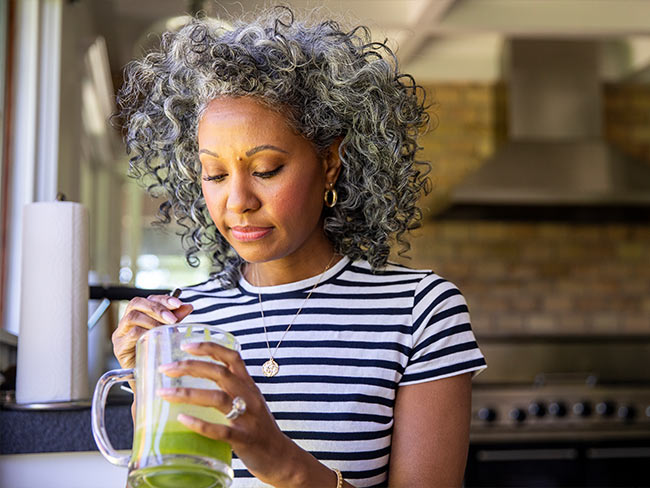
point(555, 154)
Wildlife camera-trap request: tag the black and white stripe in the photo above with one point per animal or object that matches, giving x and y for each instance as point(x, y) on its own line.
point(359, 337)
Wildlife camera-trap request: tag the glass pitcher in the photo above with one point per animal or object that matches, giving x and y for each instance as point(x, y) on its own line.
point(165, 453)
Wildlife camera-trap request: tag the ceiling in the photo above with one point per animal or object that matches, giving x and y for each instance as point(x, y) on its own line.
point(434, 39)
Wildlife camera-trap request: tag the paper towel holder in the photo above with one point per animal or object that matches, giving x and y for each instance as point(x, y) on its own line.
point(97, 292)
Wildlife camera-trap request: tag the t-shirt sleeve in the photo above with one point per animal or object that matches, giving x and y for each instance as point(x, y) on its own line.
point(443, 342)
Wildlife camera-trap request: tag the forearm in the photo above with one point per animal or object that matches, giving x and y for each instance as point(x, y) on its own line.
point(305, 471)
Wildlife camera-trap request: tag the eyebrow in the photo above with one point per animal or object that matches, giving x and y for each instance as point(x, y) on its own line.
point(250, 152)
point(264, 147)
point(210, 153)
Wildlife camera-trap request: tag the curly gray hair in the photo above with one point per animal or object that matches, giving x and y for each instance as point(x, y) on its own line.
point(334, 85)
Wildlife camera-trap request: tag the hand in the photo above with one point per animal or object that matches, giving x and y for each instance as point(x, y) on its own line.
point(255, 437)
point(141, 315)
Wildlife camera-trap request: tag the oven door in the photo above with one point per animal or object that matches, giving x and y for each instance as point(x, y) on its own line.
point(559, 464)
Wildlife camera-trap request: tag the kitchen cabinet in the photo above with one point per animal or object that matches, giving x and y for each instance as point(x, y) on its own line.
point(60, 470)
point(56, 448)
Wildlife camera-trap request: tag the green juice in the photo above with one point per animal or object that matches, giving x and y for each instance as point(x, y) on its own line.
point(177, 477)
point(169, 455)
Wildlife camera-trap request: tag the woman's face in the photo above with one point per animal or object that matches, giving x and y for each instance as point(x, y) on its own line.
point(263, 184)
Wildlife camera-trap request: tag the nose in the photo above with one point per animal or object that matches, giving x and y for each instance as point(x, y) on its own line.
point(241, 195)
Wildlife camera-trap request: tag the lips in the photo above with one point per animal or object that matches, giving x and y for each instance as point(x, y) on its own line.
point(249, 233)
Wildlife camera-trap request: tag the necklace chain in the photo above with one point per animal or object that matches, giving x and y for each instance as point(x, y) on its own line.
point(271, 367)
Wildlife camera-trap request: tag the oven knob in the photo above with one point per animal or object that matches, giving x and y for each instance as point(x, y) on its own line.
point(626, 412)
point(537, 409)
point(487, 414)
point(517, 414)
point(605, 409)
point(582, 409)
point(557, 409)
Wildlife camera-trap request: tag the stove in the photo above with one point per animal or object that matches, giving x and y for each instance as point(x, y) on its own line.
point(561, 411)
point(569, 411)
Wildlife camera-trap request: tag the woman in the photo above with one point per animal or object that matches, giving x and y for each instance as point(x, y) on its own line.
point(286, 150)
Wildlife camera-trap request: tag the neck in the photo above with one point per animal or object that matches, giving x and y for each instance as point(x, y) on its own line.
point(282, 271)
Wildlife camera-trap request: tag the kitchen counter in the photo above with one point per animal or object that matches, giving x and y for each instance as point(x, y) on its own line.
point(38, 431)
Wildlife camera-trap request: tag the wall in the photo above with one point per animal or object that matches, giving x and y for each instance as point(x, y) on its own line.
point(51, 150)
point(535, 277)
point(544, 277)
point(468, 124)
point(627, 118)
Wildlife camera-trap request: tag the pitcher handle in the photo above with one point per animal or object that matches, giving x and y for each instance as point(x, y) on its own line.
point(97, 414)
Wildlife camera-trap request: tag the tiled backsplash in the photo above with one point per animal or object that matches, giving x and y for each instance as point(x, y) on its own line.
point(546, 278)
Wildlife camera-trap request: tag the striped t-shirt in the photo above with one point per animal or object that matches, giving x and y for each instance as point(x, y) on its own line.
point(357, 339)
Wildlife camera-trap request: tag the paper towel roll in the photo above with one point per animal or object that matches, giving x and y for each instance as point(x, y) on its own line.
point(53, 336)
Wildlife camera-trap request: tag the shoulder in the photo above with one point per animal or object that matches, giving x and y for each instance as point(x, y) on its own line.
point(362, 272)
point(425, 284)
point(427, 291)
point(432, 297)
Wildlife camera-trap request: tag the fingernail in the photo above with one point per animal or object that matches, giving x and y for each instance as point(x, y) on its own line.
point(174, 302)
point(165, 391)
point(189, 345)
point(185, 419)
point(169, 317)
point(165, 367)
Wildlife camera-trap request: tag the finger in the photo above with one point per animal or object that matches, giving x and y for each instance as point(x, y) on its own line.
point(124, 346)
point(136, 318)
point(198, 396)
point(221, 375)
point(230, 358)
point(175, 305)
point(183, 311)
point(152, 308)
point(129, 338)
point(170, 302)
point(135, 333)
point(220, 432)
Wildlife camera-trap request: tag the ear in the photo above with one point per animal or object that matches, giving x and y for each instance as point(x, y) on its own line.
point(332, 162)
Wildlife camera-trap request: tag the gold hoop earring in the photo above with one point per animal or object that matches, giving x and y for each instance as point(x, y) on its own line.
point(330, 196)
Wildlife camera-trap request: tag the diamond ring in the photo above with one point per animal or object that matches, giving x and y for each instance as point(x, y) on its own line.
point(238, 408)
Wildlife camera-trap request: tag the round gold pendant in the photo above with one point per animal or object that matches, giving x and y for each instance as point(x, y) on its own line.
point(270, 368)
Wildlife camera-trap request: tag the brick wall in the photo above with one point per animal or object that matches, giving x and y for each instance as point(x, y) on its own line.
point(534, 277)
point(468, 125)
point(544, 277)
point(627, 118)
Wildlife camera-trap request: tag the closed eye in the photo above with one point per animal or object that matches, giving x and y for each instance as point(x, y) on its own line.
point(263, 174)
point(214, 178)
point(268, 174)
